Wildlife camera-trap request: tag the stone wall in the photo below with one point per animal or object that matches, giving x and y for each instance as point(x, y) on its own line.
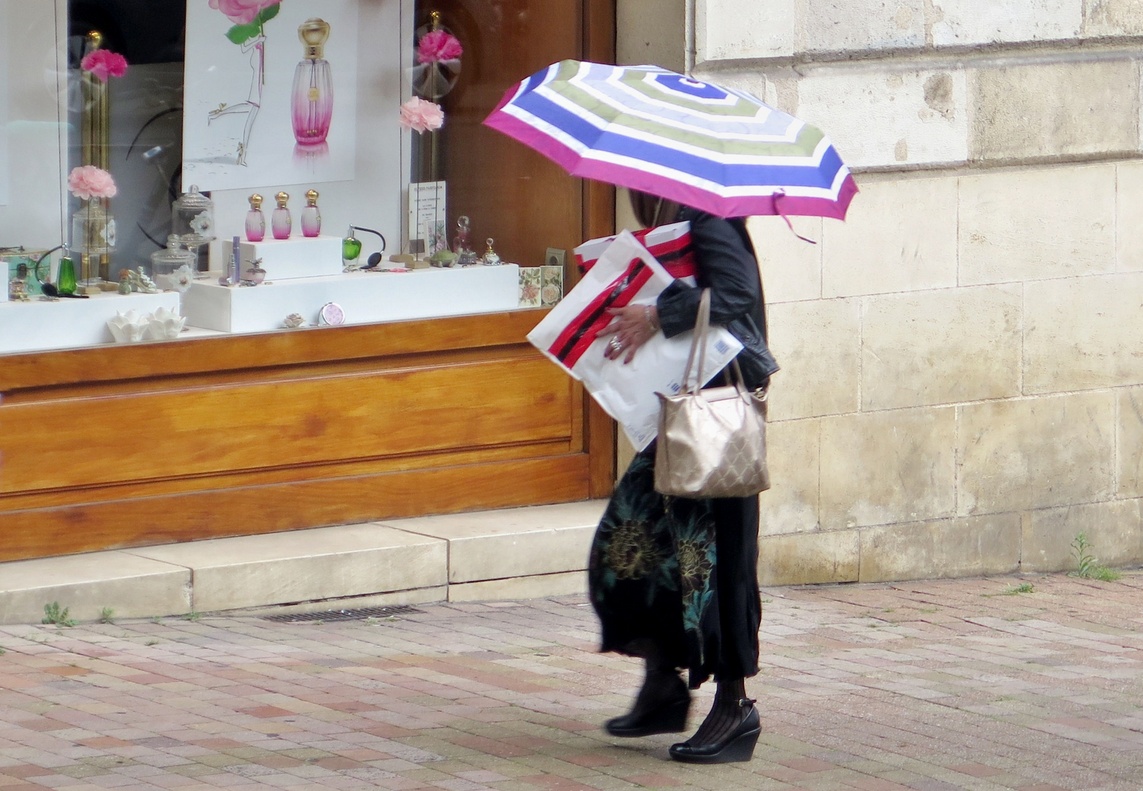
point(962, 383)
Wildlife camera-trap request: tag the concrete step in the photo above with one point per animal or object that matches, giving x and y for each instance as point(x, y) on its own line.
point(512, 553)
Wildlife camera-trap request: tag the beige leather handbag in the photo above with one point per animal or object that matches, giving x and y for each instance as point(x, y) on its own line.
point(712, 441)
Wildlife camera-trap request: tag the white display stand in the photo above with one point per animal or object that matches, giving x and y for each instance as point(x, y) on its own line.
point(38, 325)
point(288, 259)
point(365, 297)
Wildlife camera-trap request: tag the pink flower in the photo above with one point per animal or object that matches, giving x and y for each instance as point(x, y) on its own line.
point(242, 12)
point(437, 45)
point(421, 116)
point(88, 182)
point(104, 63)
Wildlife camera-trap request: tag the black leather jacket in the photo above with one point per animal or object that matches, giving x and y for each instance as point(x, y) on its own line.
point(728, 266)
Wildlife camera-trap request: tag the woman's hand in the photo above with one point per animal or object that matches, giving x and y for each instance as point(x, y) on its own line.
point(631, 326)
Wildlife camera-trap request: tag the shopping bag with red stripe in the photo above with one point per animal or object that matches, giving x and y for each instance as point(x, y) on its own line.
point(624, 273)
point(669, 244)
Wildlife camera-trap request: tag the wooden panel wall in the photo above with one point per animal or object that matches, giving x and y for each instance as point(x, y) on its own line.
point(162, 442)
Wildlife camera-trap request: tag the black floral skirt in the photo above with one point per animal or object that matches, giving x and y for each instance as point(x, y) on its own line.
point(678, 574)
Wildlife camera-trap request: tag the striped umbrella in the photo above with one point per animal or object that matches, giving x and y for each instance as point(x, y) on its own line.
point(649, 129)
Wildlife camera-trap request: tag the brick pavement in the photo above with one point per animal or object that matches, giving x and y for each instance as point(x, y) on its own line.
point(932, 686)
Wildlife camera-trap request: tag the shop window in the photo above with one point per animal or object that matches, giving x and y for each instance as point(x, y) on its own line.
point(207, 99)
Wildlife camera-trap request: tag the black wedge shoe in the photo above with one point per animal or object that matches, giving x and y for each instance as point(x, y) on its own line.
point(738, 745)
point(661, 706)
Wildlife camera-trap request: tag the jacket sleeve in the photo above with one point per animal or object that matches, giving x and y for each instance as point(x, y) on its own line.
point(726, 265)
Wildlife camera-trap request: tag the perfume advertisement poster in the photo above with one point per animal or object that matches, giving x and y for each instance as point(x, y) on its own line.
point(271, 93)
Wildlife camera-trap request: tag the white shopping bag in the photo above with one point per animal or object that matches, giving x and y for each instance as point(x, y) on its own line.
point(669, 244)
point(625, 273)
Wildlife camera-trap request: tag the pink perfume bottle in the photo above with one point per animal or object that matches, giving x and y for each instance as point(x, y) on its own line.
point(280, 221)
point(313, 85)
point(255, 220)
point(311, 217)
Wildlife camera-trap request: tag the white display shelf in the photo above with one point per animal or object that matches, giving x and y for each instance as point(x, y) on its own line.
point(365, 297)
point(297, 257)
point(40, 325)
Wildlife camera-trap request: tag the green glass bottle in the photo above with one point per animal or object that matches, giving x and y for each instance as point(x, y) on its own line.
point(65, 280)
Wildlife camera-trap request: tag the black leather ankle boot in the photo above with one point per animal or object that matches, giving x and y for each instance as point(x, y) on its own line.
point(660, 707)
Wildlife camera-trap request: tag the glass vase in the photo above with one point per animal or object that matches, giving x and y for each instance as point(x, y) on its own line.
point(92, 235)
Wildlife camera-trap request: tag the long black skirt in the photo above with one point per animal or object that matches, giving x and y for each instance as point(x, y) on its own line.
point(678, 574)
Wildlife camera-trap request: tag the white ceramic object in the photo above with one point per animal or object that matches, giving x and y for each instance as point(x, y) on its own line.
point(165, 324)
point(128, 327)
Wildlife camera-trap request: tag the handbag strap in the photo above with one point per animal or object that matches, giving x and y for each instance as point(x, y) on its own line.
point(698, 342)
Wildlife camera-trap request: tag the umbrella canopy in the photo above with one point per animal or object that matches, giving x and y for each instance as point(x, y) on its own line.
point(702, 145)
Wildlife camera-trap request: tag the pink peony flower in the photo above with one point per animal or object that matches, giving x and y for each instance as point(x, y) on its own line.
point(104, 63)
point(421, 116)
point(242, 12)
point(437, 45)
point(88, 182)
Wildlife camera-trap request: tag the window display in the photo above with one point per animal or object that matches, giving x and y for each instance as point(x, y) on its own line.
point(154, 147)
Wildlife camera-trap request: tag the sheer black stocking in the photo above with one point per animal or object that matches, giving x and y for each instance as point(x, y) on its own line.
point(726, 714)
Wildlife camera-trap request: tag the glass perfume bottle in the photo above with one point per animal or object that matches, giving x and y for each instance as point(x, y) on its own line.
point(280, 220)
point(65, 279)
point(311, 216)
point(312, 103)
point(255, 220)
point(255, 275)
point(462, 242)
point(490, 257)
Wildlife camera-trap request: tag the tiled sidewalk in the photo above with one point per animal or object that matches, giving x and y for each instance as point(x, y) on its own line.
point(960, 684)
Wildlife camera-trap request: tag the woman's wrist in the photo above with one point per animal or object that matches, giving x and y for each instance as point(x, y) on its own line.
point(650, 316)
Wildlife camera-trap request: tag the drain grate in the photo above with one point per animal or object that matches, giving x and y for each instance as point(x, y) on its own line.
point(360, 614)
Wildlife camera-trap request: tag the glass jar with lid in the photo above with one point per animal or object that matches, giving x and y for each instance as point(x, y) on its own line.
point(165, 263)
point(192, 220)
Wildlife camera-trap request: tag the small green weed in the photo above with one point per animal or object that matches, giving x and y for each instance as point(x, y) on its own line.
point(57, 615)
point(107, 615)
point(192, 616)
point(1023, 587)
point(1087, 565)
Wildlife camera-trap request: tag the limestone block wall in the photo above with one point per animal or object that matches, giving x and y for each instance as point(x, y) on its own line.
point(962, 383)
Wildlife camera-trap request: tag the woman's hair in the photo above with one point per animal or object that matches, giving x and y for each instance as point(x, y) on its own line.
point(651, 210)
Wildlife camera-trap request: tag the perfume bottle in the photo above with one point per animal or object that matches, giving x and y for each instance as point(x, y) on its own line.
point(311, 217)
point(280, 220)
point(255, 220)
point(65, 280)
point(313, 85)
point(255, 275)
point(462, 242)
point(490, 257)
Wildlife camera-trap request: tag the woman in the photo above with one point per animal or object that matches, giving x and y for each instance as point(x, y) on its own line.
point(675, 580)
